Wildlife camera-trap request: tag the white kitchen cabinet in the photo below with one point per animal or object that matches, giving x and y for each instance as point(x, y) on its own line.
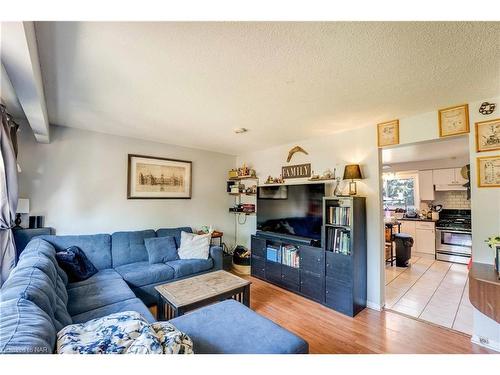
point(458, 177)
point(423, 234)
point(448, 179)
point(443, 176)
point(408, 227)
point(425, 237)
point(426, 185)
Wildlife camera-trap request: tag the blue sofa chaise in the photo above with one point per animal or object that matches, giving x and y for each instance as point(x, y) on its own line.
point(36, 301)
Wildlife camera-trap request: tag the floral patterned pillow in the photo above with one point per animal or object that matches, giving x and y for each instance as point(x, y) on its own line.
point(172, 340)
point(122, 333)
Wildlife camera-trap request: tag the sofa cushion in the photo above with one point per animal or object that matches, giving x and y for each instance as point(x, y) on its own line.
point(101, 276)
point(132, 304)
point(25, 328)
point(36, 286)
point(97, 247)
point(175, 232)
point(194, 246)
point(129, 247)
point(142, 273)
point(248, 332)
point(76, 264)
point(186, 267)
point(161, 249)
point(94, 295)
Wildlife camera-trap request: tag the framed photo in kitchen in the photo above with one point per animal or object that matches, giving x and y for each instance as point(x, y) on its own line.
point(453, 120)
point(388, 133)
point(158, 178)
point(488, 135)
point(488, 171)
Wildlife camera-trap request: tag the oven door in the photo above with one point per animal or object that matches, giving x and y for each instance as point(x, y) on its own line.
point(451, 241)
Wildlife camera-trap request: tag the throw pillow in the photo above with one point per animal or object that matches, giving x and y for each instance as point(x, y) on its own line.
point(76, 264)
point(161, 249)
point(194, 246)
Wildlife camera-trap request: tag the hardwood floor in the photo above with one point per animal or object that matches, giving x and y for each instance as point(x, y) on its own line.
point(370, 331)
point(329, 332)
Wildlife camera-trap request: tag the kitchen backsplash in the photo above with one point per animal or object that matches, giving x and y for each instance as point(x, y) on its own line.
point(452, 199)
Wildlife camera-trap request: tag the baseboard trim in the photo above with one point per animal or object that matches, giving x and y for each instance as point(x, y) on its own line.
point(491, 345)
point(373, 306)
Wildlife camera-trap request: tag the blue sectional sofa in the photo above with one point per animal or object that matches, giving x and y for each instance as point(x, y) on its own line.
point(36, 301)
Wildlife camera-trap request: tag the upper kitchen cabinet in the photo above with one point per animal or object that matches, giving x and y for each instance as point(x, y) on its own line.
point(458, 176)
point(426, 185)
point(448, 179)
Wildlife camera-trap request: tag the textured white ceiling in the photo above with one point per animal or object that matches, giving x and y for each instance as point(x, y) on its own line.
point(192, 83)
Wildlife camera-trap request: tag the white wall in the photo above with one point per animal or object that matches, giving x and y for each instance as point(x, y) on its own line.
point(355, 146)
point(79, 183)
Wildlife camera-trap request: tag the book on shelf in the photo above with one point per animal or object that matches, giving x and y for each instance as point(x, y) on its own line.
point(339, 215)
point(290, 256)
point(273, 253)
point(339, 241)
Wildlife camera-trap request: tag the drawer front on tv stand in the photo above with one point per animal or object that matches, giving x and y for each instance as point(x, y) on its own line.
point(258, 267)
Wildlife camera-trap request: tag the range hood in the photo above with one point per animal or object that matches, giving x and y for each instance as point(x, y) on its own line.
point(449, 187)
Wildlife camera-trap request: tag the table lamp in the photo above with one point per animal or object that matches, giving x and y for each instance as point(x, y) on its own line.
point(23, 207)
point(352, 172)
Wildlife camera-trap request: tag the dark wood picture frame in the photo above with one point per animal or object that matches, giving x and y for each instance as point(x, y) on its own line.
point(129, 175)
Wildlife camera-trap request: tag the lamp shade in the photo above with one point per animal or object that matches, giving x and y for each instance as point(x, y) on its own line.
point(352, 172)
point(23, 206)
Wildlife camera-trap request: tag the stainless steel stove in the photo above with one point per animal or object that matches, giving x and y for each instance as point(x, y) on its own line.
point(454, 236)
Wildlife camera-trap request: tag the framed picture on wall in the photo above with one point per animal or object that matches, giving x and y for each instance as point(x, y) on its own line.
point(388, 133)
point(488, 171)
point(454, 120)
point(158, 178)
point(488, 135)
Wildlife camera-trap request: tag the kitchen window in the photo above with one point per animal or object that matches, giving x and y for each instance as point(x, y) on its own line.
point(400, 190)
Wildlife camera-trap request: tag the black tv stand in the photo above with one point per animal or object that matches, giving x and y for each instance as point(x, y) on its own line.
point(289, 237)
point(333, 274)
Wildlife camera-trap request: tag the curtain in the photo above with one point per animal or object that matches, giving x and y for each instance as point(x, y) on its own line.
point(8, 195)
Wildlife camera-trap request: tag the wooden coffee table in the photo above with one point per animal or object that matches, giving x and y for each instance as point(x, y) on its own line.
point(178, 297)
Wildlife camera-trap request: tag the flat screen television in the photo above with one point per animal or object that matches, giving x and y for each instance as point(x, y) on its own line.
point(294, 210)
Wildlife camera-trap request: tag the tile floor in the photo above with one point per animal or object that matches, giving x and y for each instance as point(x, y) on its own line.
point(431, 290)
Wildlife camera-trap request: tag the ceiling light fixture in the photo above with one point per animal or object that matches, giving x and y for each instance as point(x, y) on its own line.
point(240, 130)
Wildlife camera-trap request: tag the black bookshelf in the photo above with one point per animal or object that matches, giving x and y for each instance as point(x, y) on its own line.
point(334, 277)
point(344, 239)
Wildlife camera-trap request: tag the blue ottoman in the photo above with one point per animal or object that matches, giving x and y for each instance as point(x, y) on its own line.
point(229, 327)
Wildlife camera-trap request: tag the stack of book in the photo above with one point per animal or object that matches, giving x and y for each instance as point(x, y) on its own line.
point(339, 241)
point(273, 253)
point(290, 256)
point(340, 215)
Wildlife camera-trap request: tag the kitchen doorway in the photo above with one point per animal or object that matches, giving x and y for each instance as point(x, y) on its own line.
point(428, 236)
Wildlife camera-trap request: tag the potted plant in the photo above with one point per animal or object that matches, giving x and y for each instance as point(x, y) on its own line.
point(494, 243)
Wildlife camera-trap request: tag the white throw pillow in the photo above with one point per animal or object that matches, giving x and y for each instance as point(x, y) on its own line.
point(194, 246)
